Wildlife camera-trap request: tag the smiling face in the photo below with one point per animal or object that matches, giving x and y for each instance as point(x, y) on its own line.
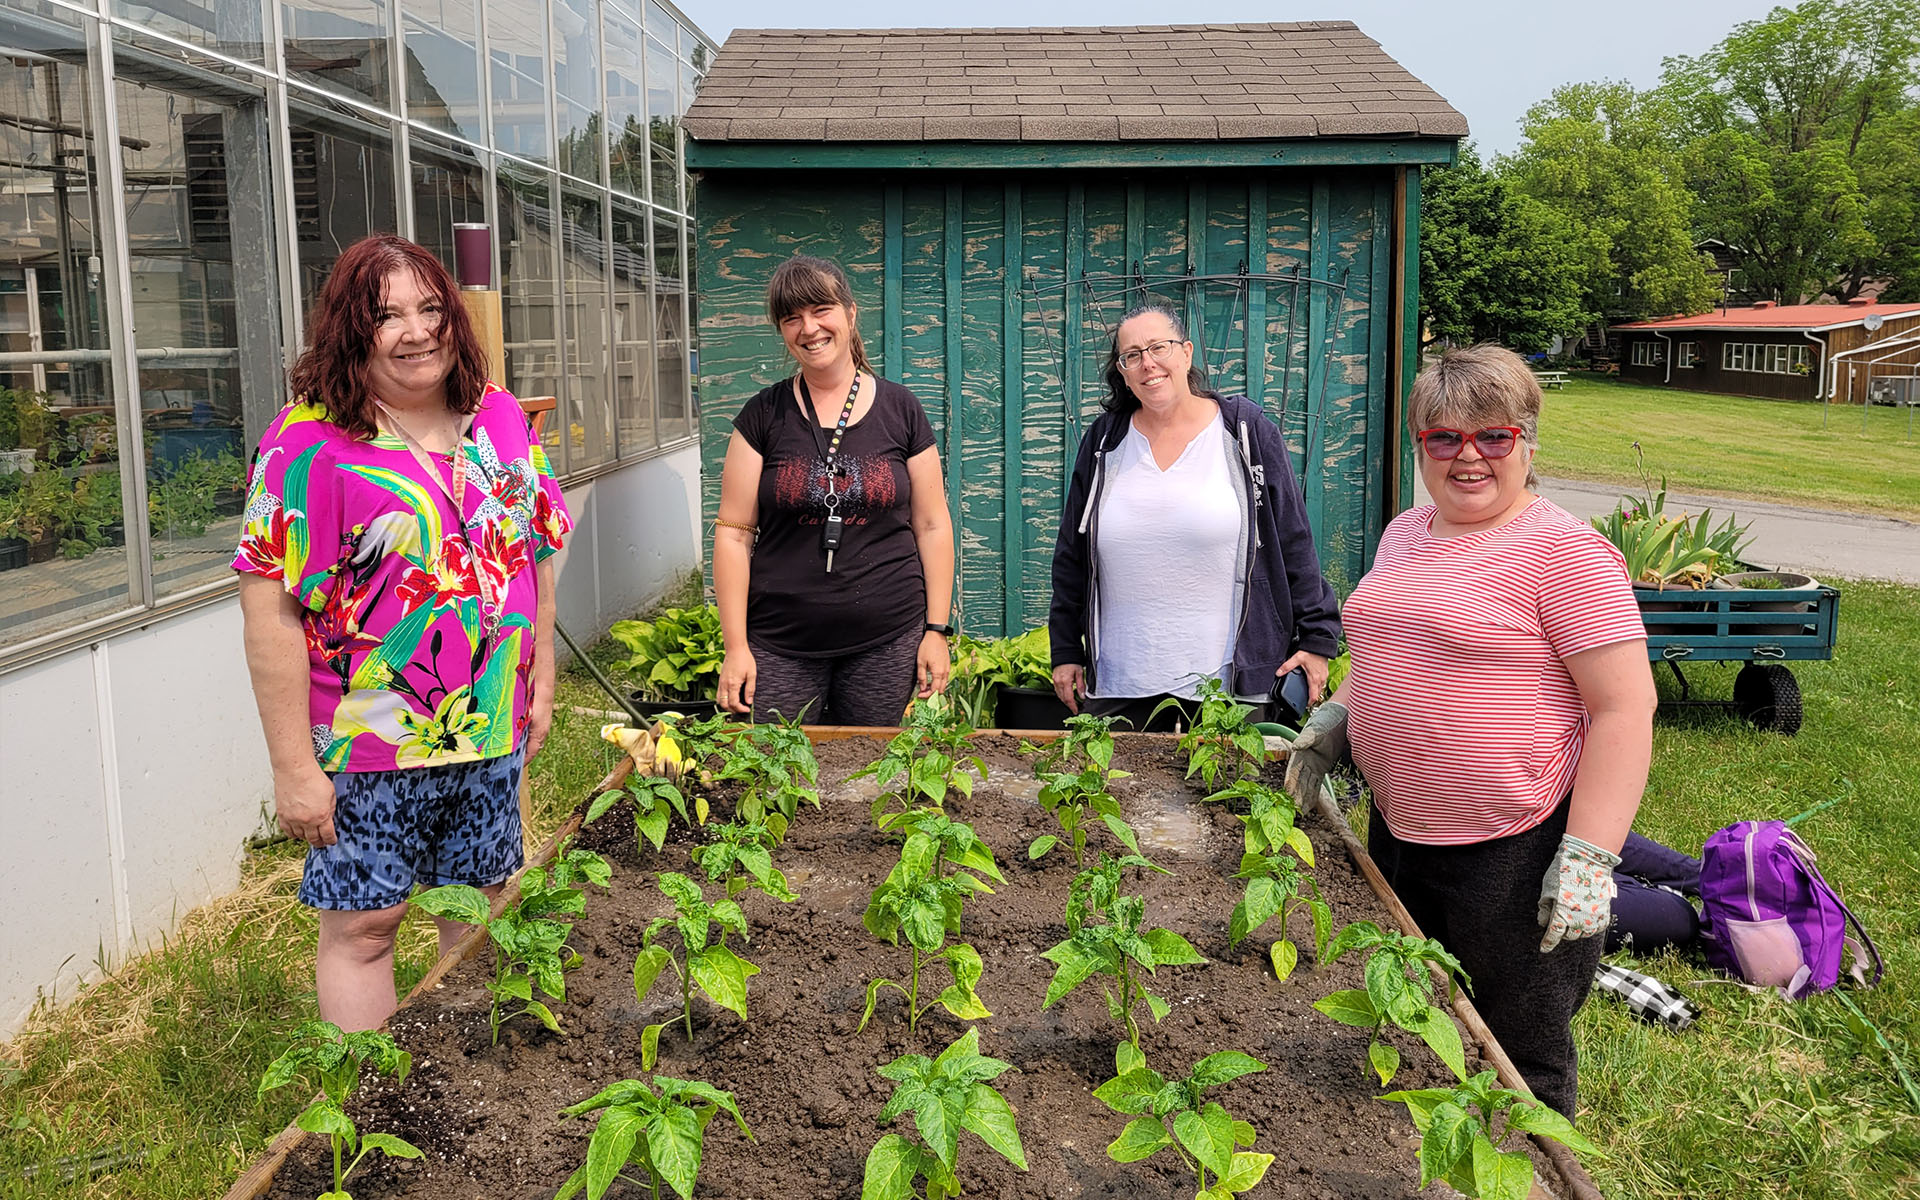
point(1473, 491)
point(408, 362)
point(1470, 390)
point(1158, 383)
point(819, 336)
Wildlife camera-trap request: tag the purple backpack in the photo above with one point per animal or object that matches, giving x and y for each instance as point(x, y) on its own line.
point(1769, 918)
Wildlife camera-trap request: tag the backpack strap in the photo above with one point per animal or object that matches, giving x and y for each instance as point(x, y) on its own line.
point(1803, 854)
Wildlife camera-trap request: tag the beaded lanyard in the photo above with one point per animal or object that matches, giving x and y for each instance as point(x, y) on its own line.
point(831, 528)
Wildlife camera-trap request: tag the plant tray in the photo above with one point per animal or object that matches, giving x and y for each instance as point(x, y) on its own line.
point(1739, 624)
point(486, 1115)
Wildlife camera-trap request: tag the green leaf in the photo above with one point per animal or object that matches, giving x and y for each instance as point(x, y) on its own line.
point(600, 805)
point(938, 1118)
point(1507, 1176)
point(1443, 1037)
point(1075, 962)
point(1128, 1057)
point(1285, 956)
point(652, 826)
point(1132, 1091)
point(324, 1116)
point(1170, 949)
point(1121, 830)
point(544, 1015)
point(873, 996)
point(1225, 1065)
point(990, 1117)
point(1539, 1119)
point(673, 1143)
point(647, 967)
point(1385, 1059)
point(1041, 845)
point(723, 976)
point(1142, 1138)
point(1448, 1138)
point(1296, 841)
point(1246, 1171)
point(455, 902)
point(1421, 1103)
point(892, 1166)
point(1155, 1005)
point(1208, 1136)
point(650, 1045)
point(610, 1147)
point(1349, 1007)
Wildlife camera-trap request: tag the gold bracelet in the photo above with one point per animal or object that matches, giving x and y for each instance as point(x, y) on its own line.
point(736, 525)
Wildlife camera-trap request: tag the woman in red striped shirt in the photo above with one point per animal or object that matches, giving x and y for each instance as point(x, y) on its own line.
point(1500, 706)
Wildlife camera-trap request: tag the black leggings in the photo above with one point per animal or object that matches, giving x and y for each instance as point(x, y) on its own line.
point(1482, 902)
point(871, 687)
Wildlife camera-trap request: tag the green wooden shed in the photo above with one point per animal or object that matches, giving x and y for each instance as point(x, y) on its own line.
point(1000, 196)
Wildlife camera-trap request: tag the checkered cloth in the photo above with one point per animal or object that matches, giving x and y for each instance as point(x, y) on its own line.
point(1646, 996)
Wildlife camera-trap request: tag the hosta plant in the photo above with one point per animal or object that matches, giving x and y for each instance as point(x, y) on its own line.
point(1174, 1114)
point(1223, 744)
point(1399, 990)
point(926, 760)
point(677, 655)
point(660, 1129)
point(655, 798)
point(740, 856)
point(1072, 798)
point(1457, 1143)
point(322, 1053)
point(946, 1095)
point(982, 668)
point(1105, 938)
point(703, 962)
point(529, 937)
point(916, 899)
point(1277, 887)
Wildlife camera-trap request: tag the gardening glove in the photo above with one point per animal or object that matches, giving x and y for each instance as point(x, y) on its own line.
point(652, 752)
point(1321, 746)
point(1576, 897)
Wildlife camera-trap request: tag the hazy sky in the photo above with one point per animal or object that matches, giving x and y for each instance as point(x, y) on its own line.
point(1489, 58)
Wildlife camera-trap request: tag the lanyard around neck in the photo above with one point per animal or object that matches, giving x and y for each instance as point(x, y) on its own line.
point(828, 451)
point(457, 495)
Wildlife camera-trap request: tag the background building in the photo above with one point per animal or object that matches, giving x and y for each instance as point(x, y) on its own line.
point(176, 180)
point(1851, 353)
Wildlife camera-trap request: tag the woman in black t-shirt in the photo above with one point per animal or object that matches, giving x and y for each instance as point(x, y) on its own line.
point(833, 552)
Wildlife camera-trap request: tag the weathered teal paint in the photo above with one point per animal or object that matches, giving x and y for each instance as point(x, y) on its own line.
point(1097, 156)
point(1410, 328)
point(991, 294)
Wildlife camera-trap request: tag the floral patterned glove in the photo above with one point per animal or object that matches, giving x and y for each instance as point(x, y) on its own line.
point(1321, 747)
point(1576, 897)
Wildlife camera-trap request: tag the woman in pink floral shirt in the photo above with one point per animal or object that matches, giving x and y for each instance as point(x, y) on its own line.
point(399, 611)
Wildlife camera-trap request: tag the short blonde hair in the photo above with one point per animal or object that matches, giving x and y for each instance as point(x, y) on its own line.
point(1475, 387)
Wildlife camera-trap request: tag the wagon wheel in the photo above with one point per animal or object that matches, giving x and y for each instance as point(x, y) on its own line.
point(1768, 695)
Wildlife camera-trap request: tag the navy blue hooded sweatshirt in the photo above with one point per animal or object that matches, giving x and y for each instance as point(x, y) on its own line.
point(1289, 605)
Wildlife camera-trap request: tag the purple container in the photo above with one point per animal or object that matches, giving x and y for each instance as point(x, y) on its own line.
point(473, 255)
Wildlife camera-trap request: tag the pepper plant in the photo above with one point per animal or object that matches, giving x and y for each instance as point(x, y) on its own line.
point(741, 857)
point(321, 1050)
point(662, 1132)
point(1087, 739)
point(655, 798)
point(926, 760)
point(1276, 886)
point(703, 963)
point(775, 766)
point(915, 898)
point(1399, 990)
point(1268, 822)
point(946, 1095)
point(1113, 944)
point(1074, 796)
point(1222, 741)
point(529, 939)
point(955, 844)
point(1457, 1143)
point(1205, 1136)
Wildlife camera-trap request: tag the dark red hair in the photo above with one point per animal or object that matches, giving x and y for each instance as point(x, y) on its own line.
point(332, 371)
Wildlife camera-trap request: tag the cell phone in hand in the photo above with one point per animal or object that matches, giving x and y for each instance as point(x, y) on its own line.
point(1289, 698)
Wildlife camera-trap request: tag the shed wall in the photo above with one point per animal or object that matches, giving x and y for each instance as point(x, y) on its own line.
point(974, 292)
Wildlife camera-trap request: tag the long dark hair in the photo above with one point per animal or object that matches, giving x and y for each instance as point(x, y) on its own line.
point(1120, 398)
point(332, 370)
point(804, 281)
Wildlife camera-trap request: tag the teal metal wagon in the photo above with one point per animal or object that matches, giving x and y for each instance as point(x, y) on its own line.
point(1765, 629)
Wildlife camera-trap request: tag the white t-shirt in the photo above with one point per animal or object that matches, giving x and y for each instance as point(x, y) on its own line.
point(1170, 542)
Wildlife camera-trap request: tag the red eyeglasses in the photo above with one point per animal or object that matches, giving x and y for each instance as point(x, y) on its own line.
point(1495, 441)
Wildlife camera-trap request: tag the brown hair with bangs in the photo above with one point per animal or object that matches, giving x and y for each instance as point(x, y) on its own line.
point(804, 281)
point(1475, 387)
point(332, 370)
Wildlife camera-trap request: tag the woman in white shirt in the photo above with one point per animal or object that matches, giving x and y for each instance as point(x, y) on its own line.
point(1184, 552)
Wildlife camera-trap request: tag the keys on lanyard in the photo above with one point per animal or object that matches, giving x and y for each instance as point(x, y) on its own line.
point(834, 524)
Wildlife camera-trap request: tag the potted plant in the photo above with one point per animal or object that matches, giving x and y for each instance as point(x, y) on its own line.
point(13, 546)
point(1007, 683)
point(1772, 581)
point(676, 657)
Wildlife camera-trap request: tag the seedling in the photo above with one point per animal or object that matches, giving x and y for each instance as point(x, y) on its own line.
point(663, 1133)
point(1276, 886)
point(529, 941)
point(1269, 819)
point(1088, 739)
point(945, 1095)
point(321, 1049)
point(926, 760)
point(1222, 743)
point(1205, 1136)
point(710, 966)
point(1457, 1143)
point(654, 798)
point(1113, 946)
point(747, 848)
point(1399, 989)
point(955, 844)
point(1072, 798)
point(777, 770)
point(917, 899)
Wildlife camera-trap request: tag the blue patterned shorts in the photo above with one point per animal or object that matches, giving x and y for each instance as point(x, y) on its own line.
point(427, 825)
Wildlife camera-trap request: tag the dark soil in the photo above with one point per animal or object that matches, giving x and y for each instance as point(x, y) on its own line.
point(485, 1115)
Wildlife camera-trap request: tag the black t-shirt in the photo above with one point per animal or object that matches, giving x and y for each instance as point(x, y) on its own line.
point(877, 590)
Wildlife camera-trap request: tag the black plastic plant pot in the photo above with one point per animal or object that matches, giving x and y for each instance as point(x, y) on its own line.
point(653, 710)
point(1029, 708)
point(13, 553)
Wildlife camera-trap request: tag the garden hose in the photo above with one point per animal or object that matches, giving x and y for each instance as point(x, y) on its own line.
point(606, 685)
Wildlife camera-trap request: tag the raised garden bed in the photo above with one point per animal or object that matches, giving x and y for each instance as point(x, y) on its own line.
point(485, 1115)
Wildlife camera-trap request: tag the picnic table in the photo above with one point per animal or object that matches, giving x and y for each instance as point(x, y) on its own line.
point(1550, 379)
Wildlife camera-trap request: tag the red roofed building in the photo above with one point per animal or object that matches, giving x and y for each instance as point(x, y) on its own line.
point(1847, 353)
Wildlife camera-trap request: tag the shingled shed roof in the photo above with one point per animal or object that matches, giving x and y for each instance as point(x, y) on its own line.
point(1302, 79)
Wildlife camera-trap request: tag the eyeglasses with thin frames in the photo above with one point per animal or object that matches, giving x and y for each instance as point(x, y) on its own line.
point(1495, 441)
point(1161, 351)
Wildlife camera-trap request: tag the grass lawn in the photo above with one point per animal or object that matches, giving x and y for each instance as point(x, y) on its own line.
point(153, 1070)
point(1732, 446)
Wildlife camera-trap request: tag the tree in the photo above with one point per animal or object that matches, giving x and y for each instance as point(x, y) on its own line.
point(1600, 157)
point(1799, 135)
point(1494, 266)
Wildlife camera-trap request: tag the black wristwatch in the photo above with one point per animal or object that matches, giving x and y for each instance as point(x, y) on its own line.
point(945, 631)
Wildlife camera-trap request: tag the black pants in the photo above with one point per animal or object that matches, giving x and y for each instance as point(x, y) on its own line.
point(1136, 709)
point(872, 687)
point(1482, 902)
point(1652, 908)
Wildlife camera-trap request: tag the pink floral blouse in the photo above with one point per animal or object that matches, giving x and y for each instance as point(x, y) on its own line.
point(409, 668)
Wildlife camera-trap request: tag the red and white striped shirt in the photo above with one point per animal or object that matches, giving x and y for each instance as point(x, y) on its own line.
point(1463, 717)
